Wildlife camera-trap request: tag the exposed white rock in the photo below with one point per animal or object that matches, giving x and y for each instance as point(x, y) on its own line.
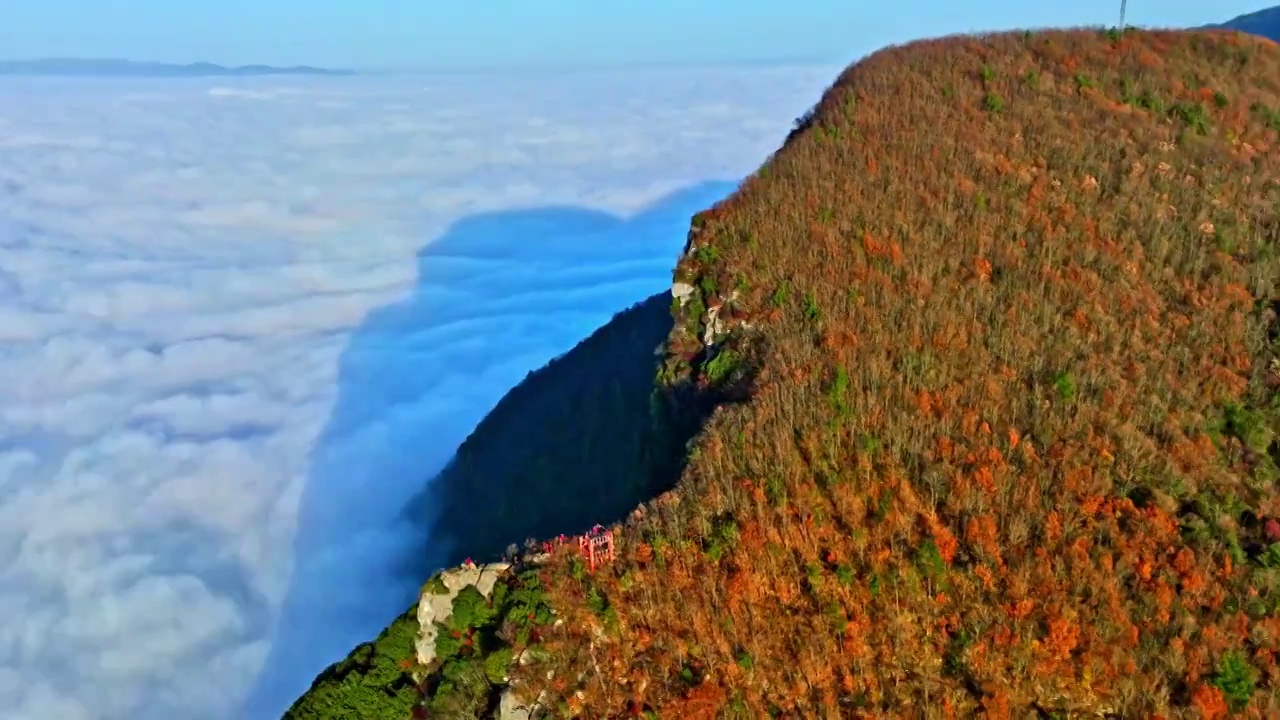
point(715, 327)
point(511, 707)
point(437, 607)
point(682, 292)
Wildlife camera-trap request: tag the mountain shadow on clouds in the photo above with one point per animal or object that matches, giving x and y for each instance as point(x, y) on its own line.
point(497, 295)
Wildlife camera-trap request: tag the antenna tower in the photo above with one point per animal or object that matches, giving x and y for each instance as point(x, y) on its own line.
point(1122, 4)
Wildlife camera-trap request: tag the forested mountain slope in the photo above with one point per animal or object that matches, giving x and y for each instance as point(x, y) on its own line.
point(992, 347)
point(1010, 442)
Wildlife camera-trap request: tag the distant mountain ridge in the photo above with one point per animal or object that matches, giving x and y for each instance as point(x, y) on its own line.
point(98, 67)
point(1263, 22)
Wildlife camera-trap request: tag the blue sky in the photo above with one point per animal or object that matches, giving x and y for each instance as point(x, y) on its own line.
point(435, 33)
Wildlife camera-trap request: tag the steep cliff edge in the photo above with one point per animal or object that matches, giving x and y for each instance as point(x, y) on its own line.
point(981, 374)
point(582, 440)
point(578, 442)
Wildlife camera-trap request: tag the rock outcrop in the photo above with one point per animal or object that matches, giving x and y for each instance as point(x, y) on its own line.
point(511, 707)
point(436, 603)
point(436, 606)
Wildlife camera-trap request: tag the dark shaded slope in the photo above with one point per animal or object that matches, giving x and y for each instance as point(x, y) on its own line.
point(1263, 22)
point(572, 445)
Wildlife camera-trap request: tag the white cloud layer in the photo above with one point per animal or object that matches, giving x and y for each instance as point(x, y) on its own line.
point(214, 321)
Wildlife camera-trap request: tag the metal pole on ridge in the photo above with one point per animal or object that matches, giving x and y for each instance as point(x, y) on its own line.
point(1122, 6)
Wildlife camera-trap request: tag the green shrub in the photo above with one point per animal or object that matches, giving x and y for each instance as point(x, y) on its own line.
point(373, 681)
point(930, 560)
point(478, 642)
point(1236, 679)
point(435, 585)
point(721, 366)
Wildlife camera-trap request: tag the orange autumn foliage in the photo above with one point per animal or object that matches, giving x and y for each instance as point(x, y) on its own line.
point(997, 439)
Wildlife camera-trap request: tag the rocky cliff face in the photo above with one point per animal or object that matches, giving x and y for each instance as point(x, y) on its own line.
point(435, 609)
point(704, 355)
point(435, 606)
point(497, 637)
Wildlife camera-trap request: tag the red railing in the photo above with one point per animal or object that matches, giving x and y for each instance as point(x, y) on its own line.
point(551, 545)
point(596, 545)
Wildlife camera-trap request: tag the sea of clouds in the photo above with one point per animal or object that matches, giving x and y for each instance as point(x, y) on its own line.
point(220, 312)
